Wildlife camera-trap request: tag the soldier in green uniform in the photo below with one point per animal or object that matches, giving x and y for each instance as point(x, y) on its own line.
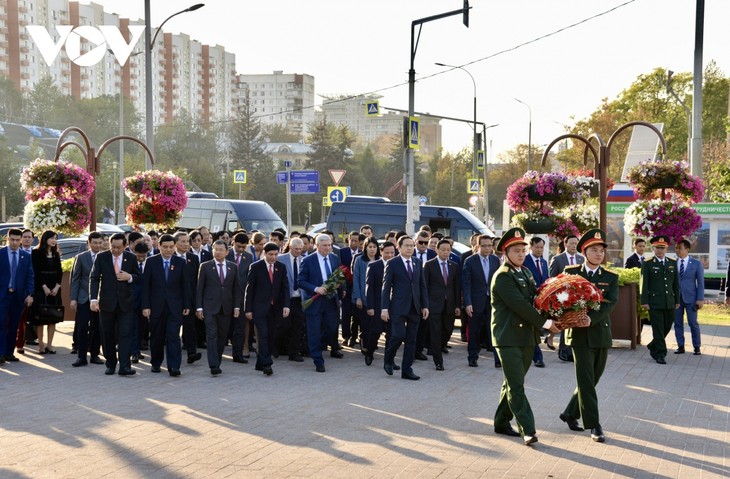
point(590, 345)
point(515, 331)
point(660, 295)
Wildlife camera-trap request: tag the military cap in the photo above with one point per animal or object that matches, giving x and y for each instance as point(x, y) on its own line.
point(511, 237)
point(593, 237)
point(659, 240)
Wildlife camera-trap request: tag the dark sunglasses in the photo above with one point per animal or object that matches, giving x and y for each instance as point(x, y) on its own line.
point(423, 242)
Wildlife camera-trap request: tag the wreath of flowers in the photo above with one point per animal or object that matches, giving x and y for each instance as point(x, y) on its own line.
point(653, 217)
point(648, 177)
point(157, 199)
point(58, 193)
point(565, 293)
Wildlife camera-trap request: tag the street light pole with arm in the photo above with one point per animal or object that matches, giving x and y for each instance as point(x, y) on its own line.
point(529, 136)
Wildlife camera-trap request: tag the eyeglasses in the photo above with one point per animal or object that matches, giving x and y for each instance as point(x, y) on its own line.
point(423, 242)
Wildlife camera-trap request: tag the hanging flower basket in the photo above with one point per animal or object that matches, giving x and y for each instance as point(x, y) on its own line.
point(594, 192)
point(59, 216)
point(157, 199)
point(647, 218)
point(535, 195)
point(543, 225)
point(649, 176)
point(534, 187)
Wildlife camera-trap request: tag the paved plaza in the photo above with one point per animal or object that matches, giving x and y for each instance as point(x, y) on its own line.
point(353, 421)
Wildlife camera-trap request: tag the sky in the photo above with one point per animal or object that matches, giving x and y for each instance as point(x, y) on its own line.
point(562, 72)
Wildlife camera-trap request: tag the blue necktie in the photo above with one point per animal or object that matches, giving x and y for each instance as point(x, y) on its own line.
point(167, 269)
point(13, 269)
point(681, 269)
point(327, 268)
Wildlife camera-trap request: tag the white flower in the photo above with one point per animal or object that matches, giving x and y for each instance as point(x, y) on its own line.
point(563, 296)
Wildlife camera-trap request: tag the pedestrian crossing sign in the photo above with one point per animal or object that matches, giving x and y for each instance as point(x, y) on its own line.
point(480, 159)
point(372, 108)
point(239, 176)
point(474, 186)
point(414, 133)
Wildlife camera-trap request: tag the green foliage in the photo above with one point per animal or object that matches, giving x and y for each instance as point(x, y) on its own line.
point(279, 133)
point(11, 101)
point(627, 275)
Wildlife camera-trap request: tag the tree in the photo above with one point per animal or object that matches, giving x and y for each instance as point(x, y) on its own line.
point(10, 167)
point(11, 101)
point(47, 106)
point(279, 133)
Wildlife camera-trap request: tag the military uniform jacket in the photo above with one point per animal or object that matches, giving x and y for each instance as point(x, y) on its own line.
point(598, 334)
point(660, 284)
point(515, 321)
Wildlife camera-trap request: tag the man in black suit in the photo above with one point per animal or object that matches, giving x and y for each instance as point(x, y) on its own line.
point(569, 257)
point(404, 302)
point(423, 253)
point(636, 260)
point(190, 320)
point(349, 324)
point(444, 294)
point(373, 325)
point(110, 291)
point(240, 325)
point(87, 323)
point(476, 279)
point(165, 300)
point(218, 298)
point(266, 302)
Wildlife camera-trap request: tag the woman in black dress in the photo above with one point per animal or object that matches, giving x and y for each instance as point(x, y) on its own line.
point(47, 271)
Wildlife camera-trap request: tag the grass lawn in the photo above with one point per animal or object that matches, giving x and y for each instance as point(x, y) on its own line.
point(714, 313)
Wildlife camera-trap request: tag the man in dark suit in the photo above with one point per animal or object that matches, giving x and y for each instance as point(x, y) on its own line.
point(240, 325)
point(87, 322)
point(539, 269)
point(590, 344)
point(515, 328)
point(290, 332)
point(444, 295)
point(110, 291)
point(218, 298)
point(636, 260)
point(476, 278)
point(349, 337)
point(322, 315)
point(404, 302)
point(423, 254)
point(569, 257)
point(660, 295)
point(16, 290)
point(373, 325)
point(165, 300)
point(266, 302)
point(691, 296)
point(190, 320)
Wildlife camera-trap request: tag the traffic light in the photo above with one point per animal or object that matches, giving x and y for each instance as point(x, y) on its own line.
point(466, 13)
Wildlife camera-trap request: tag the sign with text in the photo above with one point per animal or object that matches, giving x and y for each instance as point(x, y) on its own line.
point(300, 176)
point(105, 37)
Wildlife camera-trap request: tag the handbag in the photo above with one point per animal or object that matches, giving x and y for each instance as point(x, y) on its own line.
point(49, 314)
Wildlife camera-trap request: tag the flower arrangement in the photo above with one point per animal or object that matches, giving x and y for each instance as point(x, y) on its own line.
point(654, 217)
point(584, 217)
point(157, 199)
point(566, 298)
point(557, 224)
point(58, 195)
point(585, 179)
point(651, 175)
point(59, 216)
point(338, 277)
point(555, 187)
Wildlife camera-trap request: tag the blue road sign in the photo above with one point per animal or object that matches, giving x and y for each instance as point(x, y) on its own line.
point(304, 188)
point(423, 200)
point(336, 195)
point(300, 176)
point(287, 164)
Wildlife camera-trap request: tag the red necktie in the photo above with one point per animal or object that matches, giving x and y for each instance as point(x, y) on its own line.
point(271, 273)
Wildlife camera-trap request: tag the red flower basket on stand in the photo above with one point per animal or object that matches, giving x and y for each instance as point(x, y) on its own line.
point(567, 298)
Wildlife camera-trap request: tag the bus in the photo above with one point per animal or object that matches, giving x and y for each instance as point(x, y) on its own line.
point(219, 214)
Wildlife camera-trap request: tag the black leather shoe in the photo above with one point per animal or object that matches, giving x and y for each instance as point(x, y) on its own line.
point(155, 369)
point(174, 372)
point(109, 371)
point(409, 375)
point(268, 371)
point(320, 369)
point(539, 363)
point(194, 357)
point(215, 371)
point(571, 422)
point(127, 372)
point(297, 358)
point(388, 368)
point(135, 359)
point(439, 367)
point(661, 361)
point(597, 434)
point(11, 359)
point(368, 360)
point(697, 352)
point(497, 364)
point(73, 351)
point(240, 360)
point(336, 354)
point(421, 357)
point(396, 367)
point(680, 350)
point(80, 362)
point(473, 363)
point(351, 343)
point(532, 439)
point(96, 360)
point(507, 431)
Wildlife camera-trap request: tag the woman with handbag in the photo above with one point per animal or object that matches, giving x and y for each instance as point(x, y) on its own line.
point(47, 307)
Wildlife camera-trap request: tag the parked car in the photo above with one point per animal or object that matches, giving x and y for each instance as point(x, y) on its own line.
point(70, 247)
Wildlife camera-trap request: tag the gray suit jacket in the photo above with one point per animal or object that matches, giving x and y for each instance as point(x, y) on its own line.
point(80, 272)
point(287, 260)
point(211, 296)
point(560, 261)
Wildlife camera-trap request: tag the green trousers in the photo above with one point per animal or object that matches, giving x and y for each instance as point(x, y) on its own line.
point(661, 323)
point(589, 366)
point(512, 399)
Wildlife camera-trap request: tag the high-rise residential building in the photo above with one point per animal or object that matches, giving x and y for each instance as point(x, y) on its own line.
point(186, 75)
point(280, 98)
point(350, 110)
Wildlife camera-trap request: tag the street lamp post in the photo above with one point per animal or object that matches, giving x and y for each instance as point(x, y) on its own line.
point(486, 171)
point(149, 43)
point(529, 136)
point(475, 142)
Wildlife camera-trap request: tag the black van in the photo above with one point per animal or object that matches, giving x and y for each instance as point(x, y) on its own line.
point(384, 215)
point(219, 214)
